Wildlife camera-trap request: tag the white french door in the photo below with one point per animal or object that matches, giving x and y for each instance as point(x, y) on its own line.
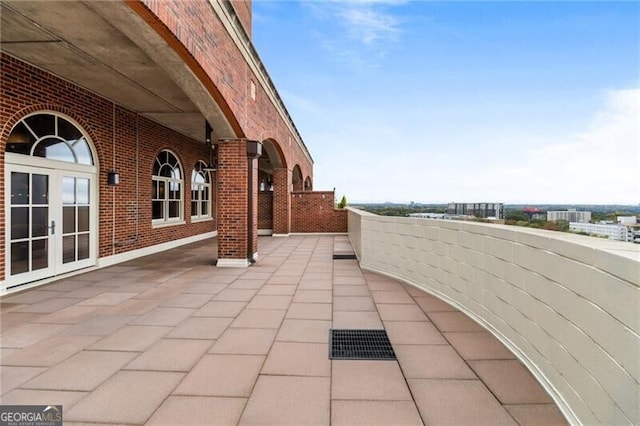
point(50, 221)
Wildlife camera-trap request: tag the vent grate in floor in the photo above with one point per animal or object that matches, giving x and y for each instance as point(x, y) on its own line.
point(345, 256)
point(360, 344)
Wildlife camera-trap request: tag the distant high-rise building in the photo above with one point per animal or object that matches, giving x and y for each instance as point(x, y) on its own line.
point(570, 215)
point(484, 210)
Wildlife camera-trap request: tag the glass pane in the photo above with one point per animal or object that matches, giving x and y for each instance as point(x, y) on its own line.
point(194, 194)
point(174, 209)
point(68, 249)
point(154, 189)
point(82, 151)
point(198, 178)
point(83, 219)
point(42, 124)
point(40, 192)
point(54, 149)
point(205, 209)
point(82, 191)
point(39, 254)
point(19, 222)
point(19, 188)
point(83, 246)
point(194, 208)
point(68, 220)
point(174, 190)
point(161, 189)
point(156, 168)
point(156, 210)
point(39, 221)
point(20, 140)
point(205, 193)
point(68, 190)
point(165, 171)
point(68, 131)
point(19, 257)
point(176, 173)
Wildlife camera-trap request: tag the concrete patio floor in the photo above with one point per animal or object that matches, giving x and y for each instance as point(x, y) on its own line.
point(170, 339)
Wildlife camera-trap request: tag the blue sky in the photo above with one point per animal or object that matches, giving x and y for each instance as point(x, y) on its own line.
point(432, 102)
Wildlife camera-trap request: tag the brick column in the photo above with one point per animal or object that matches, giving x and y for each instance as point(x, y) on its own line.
point(233, 203)
point(281, 201)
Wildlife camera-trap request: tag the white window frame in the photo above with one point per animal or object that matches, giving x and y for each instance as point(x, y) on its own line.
point(197, 187)
point(166, 182)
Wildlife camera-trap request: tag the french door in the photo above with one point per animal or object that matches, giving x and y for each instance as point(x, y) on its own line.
point(50, 222)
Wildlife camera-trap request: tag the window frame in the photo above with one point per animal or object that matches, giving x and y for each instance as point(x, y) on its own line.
point(164, 184)
point(198, 188)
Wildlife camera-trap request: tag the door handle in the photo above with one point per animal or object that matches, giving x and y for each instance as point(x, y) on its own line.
point(53, 227)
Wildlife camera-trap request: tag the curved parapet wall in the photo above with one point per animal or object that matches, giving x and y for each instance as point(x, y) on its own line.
point(567, 305)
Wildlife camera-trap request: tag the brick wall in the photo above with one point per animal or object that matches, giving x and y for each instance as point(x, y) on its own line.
point(202, 34)
point(265, 210)
point(315, 212)
point(243, 10)
point(123, 141)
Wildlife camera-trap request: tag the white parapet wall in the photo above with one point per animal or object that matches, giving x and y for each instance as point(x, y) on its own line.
point(567, 305)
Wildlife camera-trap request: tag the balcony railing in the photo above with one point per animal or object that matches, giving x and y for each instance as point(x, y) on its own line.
point(567, 305)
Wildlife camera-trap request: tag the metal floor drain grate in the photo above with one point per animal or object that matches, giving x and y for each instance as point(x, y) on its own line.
point(360, 344)
point(345, 256)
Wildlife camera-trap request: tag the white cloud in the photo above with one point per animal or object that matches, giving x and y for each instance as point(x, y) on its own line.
point(597, 165)
point(367, 28)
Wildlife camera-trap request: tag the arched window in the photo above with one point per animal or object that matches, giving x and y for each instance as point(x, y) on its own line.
point(167, 189)
point(200, 192)
point(50, 136)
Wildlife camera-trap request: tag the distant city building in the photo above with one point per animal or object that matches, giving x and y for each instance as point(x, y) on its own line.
point(627, 220)
point(613, 231)
point(484, 210)
point(428, 215)
point(570, 215)
point(535, 213)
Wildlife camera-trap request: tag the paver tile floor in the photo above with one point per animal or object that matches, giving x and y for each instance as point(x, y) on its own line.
point(171, 339)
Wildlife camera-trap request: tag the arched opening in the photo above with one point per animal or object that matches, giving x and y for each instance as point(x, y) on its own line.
point(298, 183)
point(273, 190)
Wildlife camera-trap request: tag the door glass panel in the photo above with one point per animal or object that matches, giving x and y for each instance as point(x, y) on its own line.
point(19, 188)
point(83, 246)
point(82, 151)
point(68, 249)
point(82, 191)
point(68, 190)
point(19, 222)
point(42, 124)
point(68, 219)
point(83, 219)
point(54, 149)
point(19, 257)
point(67, 131)
point(39, 254)
point(40, 189)
point(39, 221)
point(20, 140)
